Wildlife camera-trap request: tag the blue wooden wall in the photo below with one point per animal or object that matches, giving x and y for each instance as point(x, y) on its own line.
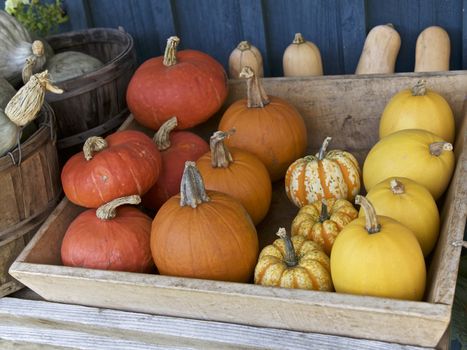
point(338, 27)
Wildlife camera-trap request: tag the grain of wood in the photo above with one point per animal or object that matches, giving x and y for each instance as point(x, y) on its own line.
point(67, 321)
point(329, 107)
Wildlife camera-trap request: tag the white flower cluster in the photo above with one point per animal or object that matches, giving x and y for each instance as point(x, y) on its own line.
point(11, 5)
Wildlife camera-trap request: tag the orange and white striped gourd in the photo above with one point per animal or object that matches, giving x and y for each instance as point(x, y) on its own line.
point(333, 174)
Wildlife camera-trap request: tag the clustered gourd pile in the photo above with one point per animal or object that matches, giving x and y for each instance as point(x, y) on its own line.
point(209, 197)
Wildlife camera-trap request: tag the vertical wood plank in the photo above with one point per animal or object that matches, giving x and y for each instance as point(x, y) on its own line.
point(210, 26)
point(252, 22)
point(318, 21)
point(353, 33)
point(464, 35)
point(411, 17)
point(163, 25)
point(78, 15)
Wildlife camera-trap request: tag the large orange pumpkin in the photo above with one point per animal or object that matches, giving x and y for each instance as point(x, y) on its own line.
point(269, 127)
point(176, 148)
point(189, 84)
point(125, 163)
point(201, 234)
point(333, 174)
point(238, 173)
point(110, 238)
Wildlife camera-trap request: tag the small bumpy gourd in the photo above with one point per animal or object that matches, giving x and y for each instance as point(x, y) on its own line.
point(294, 263)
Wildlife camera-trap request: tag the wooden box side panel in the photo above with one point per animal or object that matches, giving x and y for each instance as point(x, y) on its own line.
point(445, 263)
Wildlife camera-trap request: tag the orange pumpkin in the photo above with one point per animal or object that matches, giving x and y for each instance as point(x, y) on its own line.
point(100, 173)
point(268, 127)
point(207, 235)
point(333, 174)
point(238, 173)
point(110, 238)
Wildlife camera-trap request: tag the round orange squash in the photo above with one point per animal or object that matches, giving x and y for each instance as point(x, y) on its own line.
point(189, 84)
point(110, 238)
point(269, 127)
point(333, 174)
point(237, 173)
point(207, 235)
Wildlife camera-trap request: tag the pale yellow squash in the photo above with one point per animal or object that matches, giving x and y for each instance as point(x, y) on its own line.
point(432, 50)
point(380, 51)
point(245, 54)
point(378, 256)
point(416, 154)
point(302, 58)
point(409, 203)
point(418, 108)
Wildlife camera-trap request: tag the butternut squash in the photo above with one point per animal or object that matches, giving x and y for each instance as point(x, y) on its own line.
point(380, 51)
point(302, 58)
point(245, 54)
point(432, 50)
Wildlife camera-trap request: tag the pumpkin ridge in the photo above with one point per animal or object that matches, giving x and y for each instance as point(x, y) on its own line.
point(202, 73)
point(312, 278)
point(348, 182)
point(130, 169)
point(264, 269)
point(321, 177)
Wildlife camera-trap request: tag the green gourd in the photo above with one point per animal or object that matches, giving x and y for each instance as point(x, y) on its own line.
point(71, 64)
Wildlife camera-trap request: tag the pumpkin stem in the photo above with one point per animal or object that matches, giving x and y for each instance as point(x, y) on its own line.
point(420, 88)
point(108, 210)
point(244, 45)
point(298, 39)
point(437, 148)
point(27, 102)
point(192, 190)
point(37, 48)
point(162, 136)
point(390, 25)
point(257, 97)
point(170, 54)
point(324, 147)
point(397, 187)
point(324, 211)
point(220, 154)
point(290, 256)
point(372, 225)
point(93, 144)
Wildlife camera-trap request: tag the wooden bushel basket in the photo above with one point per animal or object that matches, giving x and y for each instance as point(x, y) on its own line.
point(94, 103)
point(29, 191)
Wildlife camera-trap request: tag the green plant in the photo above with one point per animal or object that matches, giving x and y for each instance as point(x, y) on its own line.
point(38, 17)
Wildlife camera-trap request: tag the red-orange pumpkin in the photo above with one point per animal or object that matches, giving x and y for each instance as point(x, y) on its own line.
point(269, 127)
point(176, 148)
point(201, 234)
point(125, 163)
point(110, 238)
point(189, 84)
point(238, 173)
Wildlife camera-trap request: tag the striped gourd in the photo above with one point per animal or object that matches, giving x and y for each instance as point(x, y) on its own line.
point(333, 174)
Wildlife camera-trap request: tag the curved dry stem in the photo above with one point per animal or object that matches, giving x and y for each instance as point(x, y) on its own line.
point(108, 210)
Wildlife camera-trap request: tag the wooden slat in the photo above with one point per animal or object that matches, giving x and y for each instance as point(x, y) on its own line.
point(93, 328)
point(353, 33)
point(252, 22)
point(163, 26)
point(209, 25)
point(464, 34)
point(411, 17)
point(78, 15)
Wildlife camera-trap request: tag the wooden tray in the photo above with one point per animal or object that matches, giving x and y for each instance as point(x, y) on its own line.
point(348, 109)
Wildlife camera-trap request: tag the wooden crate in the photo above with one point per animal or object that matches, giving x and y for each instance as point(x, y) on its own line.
point(348, 109)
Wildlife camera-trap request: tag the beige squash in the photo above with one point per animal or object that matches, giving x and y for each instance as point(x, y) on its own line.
point(302, 58)
point(432, 50)
point(380, 51)
point(243, 55)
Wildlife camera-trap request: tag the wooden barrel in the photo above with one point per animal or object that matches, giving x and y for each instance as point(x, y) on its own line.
point(30, 190)
point(93, 103)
